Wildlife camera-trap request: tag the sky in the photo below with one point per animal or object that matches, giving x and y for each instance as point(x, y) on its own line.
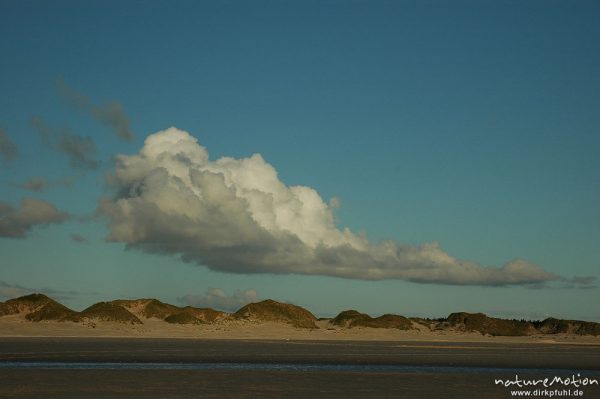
point(408, 157)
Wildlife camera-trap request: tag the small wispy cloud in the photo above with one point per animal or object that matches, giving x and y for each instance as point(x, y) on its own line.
point(111, 114)
point(577, 282)
point(9, 291)
point(8, 149)
point(18, 222)
point(81, 151)
point(216, 298)
point(78, 238)
point(581, 282)
point(39, 184)
point(36, 184)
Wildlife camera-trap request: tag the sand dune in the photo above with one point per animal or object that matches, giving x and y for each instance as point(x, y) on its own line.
point(269, 320)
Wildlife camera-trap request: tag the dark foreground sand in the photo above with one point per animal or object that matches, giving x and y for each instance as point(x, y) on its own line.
point(439, 370)
point(242, 384)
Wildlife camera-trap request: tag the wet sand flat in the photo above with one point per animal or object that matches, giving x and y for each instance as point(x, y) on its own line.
point(466, 354)
point(241, 384)
point(448, 370)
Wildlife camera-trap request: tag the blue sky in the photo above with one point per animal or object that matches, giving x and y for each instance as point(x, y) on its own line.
point(474, 124)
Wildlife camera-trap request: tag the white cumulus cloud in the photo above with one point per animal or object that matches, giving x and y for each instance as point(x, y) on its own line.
point(236, 215)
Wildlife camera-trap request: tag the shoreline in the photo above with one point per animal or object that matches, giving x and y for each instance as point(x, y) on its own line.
point(457, 340)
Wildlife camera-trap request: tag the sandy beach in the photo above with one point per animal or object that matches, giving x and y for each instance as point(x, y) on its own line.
point(17, 326)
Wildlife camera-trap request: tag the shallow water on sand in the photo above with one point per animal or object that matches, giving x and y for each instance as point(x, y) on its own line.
point(171, 368)
point(300, 367)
